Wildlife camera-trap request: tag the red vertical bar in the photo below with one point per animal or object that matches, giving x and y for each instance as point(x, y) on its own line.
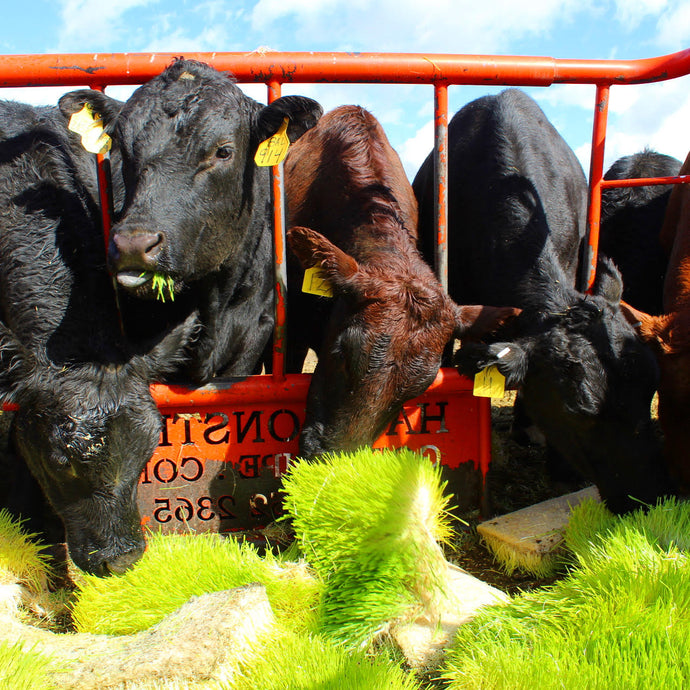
point(596, 174)
point(484, 435)
point(105, 191)
point(441, 179)
point(484, 432)
point(280, 266)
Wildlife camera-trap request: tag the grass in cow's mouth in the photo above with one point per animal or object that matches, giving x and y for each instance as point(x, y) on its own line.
point(162, 283)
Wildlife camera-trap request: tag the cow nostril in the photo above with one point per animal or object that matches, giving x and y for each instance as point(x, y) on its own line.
point(155, 242)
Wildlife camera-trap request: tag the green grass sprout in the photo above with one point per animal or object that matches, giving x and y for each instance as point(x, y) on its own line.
point(370, 523)
point(620, 618)
point(176, 567)
point(301, 660)
point(21, 558)
point(26, 668)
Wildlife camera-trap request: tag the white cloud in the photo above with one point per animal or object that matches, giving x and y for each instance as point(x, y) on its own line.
point(121, 92)
point(673, 136)
point(178, 41)
point(410, 26)
point(624, 99)
point(674, 27)
point(44, 95)
point(414, 150)
point(648, 115)
point(271, 9)
point(566, 95)
point(655, 115)
point(87, 24)
point(631, 13)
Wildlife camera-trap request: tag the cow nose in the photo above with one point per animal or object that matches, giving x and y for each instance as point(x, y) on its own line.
point(119, 564)
point(143, 247)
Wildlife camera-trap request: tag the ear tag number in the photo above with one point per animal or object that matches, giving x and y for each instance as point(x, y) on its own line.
point(489, 383)
point(271, 151)
point(89, 126)
point(316, 283)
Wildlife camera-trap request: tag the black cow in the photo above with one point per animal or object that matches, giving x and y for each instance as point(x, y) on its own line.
point(631, 220)
point(517, 205)
point(196, 224)
point(86, 423)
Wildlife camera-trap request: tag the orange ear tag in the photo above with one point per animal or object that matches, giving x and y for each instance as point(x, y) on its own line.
point(89, 126)
point(273, 150)
point(316, 283)
point(489, 383)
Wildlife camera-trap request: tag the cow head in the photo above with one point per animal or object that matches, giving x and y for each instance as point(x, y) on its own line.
point(383, 343)
point(86, 431)
point(669, 337)
point(587, 381)
point(188, 140)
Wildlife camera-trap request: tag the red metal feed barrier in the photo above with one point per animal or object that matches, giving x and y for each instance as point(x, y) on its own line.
point(224, 446)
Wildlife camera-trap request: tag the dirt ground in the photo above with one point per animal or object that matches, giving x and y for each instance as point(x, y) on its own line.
point(518, 477)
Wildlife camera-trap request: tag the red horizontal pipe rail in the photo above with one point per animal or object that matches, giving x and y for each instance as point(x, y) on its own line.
point(646, 181)
point(300, 67)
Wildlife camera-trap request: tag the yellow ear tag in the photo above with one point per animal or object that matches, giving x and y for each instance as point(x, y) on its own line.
point(90, 127)
point(489, 383)
point(271, 151)
point(316, 283)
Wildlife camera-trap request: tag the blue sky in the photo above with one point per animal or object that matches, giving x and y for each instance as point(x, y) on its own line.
point(651, 115)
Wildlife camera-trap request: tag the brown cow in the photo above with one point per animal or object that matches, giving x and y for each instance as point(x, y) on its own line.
point(381, 337)
point(669, 334)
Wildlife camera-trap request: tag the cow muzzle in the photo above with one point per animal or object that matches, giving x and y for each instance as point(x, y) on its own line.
point(132, 252)
point(107, 562)
point(122, 562)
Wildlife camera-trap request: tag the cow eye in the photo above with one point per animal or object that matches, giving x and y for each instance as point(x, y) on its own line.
point(224, 152)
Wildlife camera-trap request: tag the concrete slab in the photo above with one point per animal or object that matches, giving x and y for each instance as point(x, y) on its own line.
point(530, 539)
point(424, 641)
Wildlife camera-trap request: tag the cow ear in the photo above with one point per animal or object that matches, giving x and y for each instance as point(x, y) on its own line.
point(608, 283)
point(509, 358)
point(302, 113)
point(313, 249)
point(474, 321)
point(72, 102)
point(654, 330)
